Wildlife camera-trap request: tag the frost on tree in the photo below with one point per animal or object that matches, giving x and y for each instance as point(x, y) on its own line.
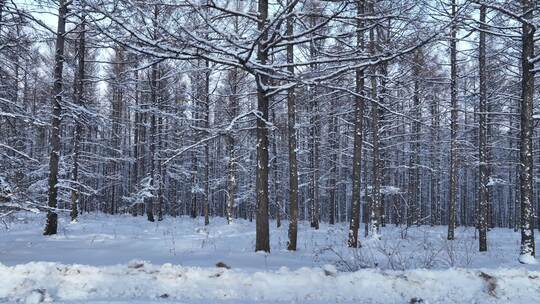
point(5, 191)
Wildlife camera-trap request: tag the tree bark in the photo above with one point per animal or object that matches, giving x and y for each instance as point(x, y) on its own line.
point(78, 126)
point(413, 214)
point(51, 225)
point(435, 217)
point(483, 166)
point(376, 214)
point(334, 140)
point(358, 125)
point(314, 138)
point(194, 181)
point(230, 141)
point(275, 169)
point(153, 126)
point(262, 238)
point(526, 147)
point(453, 126)
point(207, 144)
point(292, 143)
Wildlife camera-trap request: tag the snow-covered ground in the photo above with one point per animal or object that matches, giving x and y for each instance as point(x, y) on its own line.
point(123, 259)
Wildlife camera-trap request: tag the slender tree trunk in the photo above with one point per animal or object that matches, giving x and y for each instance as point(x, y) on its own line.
point(78, 126)
point(453, 126)
point(194, 183)
point(511, 181)
point(435, 180)
point(334, 170)
point(314, 160)
point(143, 118)
point(153, 126)
point(231, 178)
point(230, 140)
point(413, 214)
point(262, 238)
point(526, 147)
point(275, 169)
point(367, 199)
point(160, 177)
point(376, 183)
point(136, 137)
point(314, 138)
point(116, 132)
point(483, 174)
point(207, 144)
point(51, 225)
point(375, 125)
point(358, 119)
point(291, 134)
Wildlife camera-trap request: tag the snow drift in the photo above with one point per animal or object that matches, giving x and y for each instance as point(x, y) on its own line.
point(47, 282)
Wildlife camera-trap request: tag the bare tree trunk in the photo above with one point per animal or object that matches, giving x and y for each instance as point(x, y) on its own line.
point(483, 167)
point(526, 147)
point(435, 217)
point(292, 142)
point(453, 126)
point(136, 137)
point(78, 126)
point(230, 140)
point(160, 176)
point(413, 214)
point(207, 144)
point(143, 117)
point(194, 183)
point(334, 140)
point(314, 160)
point(262, 238)
point(51, 225)
point(231, 178)
point(375, 116)
point(359, 116)
point(314, 138)
point(275, 169)
point(367, 199)
point(153, 125)
point(376, 183)
point(153, 91)
point(116, 132)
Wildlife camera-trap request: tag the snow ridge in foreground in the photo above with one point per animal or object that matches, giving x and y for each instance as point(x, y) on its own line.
point(47, 282)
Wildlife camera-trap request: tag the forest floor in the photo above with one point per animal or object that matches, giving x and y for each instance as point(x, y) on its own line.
point(124, 259)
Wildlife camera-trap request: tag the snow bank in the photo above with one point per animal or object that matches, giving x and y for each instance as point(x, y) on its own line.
point(46, 282)
point(527, 259)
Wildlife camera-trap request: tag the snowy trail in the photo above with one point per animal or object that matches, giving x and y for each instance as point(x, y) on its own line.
point(53, 282)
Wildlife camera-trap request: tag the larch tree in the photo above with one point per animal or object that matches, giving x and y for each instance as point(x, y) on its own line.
point(358, 126)
point(376, 97)
point(51, 225)
point(262, 241)
point(527, 251)
point(453, 174)
point(291, 137)
point(413, 204)
point(483, 136)
point(77, 136)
